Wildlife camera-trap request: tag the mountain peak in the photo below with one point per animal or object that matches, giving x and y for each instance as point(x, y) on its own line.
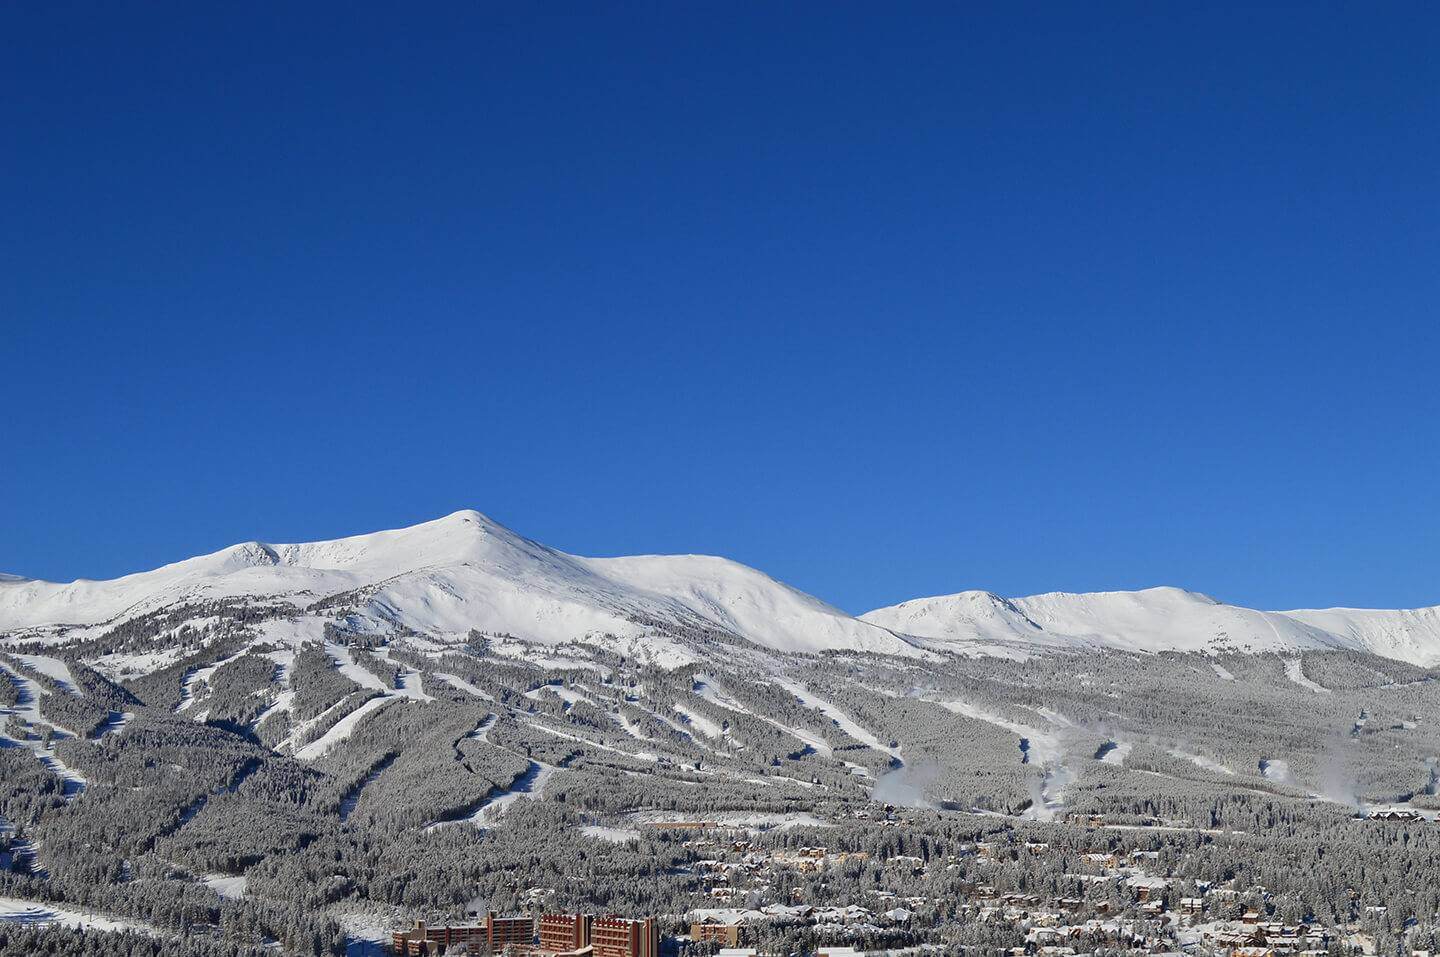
point(467, 516)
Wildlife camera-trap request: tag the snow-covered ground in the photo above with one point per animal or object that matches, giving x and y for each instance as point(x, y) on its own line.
point(460, 684)
point(570, 696)
point(466, 571)
point(200, 678)
point(1114, 752)
point(631, 728)
point(528, 786)
point(1153, 620)
point(1043, 746)
point(700, 722)
point(614, 835)
point(367, 933)
point(27, 710)
point(1296, 673)
point(15, 910)
point(846, 723)
point(705, 687)
point(228, 886)
point(114, 724)
point(408, 682)
point(1276, 769)
point(342, 729)
point(546, 729)
point(745, 820)
point(349, 802)
point(346, 665)
point(1200, 761)
point(673, 722)
point(52, 668)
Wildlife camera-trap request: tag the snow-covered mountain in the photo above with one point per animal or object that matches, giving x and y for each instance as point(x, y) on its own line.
point(441, 579)
point(1155, 619)
point(465, 571)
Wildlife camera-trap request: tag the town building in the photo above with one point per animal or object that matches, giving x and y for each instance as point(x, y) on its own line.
point(727, 933)
point(623, 937)
point(564, 933)
point(423, 941)
point(493, 936)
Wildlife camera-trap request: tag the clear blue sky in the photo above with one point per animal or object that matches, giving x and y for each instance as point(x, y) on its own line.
point(885, 300)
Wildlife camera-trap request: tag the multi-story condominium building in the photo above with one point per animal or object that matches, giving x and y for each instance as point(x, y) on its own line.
point(493, 936)
point(728, 933)
point(564, 933)
point(623, 937)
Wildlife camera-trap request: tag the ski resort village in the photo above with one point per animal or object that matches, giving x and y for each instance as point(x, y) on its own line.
point(451, 739)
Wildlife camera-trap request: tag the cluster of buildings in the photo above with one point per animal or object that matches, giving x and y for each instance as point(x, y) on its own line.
point(549, 935)
point(725, 877)
point(731, 927)
point(1106, 900)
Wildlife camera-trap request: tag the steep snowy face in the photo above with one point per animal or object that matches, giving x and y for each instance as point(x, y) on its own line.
point(1406, 634)
point(748, 602)
point(1155, 619)
point(465, 571)
point(970, 616)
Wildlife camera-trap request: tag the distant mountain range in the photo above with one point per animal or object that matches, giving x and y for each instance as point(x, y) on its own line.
point(441, 579)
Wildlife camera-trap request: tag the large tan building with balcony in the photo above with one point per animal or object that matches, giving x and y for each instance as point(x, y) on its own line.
point(623, 937)
point(494, 936)
point(564, 933)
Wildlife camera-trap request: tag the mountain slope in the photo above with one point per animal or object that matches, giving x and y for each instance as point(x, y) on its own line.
point(442, 578)
point(1155, 619)
point(464, 571)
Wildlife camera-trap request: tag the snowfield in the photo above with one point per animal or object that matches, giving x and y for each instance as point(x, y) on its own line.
point(14, 910)
point(466, 571)
point(443, 578)
point(52, 668)
point(1152, 620)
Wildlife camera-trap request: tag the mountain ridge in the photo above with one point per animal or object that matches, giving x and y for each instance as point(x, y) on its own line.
point(467, 571)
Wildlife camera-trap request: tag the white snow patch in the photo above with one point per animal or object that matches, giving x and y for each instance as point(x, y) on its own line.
point(570, 696)
point(1200, 761)
point(1276, 769)
point(52, 668)
point(638, 755)
point(700, 723)
point(342, 729)
point(460, 684)
point(1116, 754)
point(15, 910)
point(114, 724)
point(408, 683)
point(846, 723)
point(27, 710)
point(200, 676)
point(345, 664)
point(1296, 673)
point(529, 786)
point(228, 886)
point(614, 835)
point(631, 728)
